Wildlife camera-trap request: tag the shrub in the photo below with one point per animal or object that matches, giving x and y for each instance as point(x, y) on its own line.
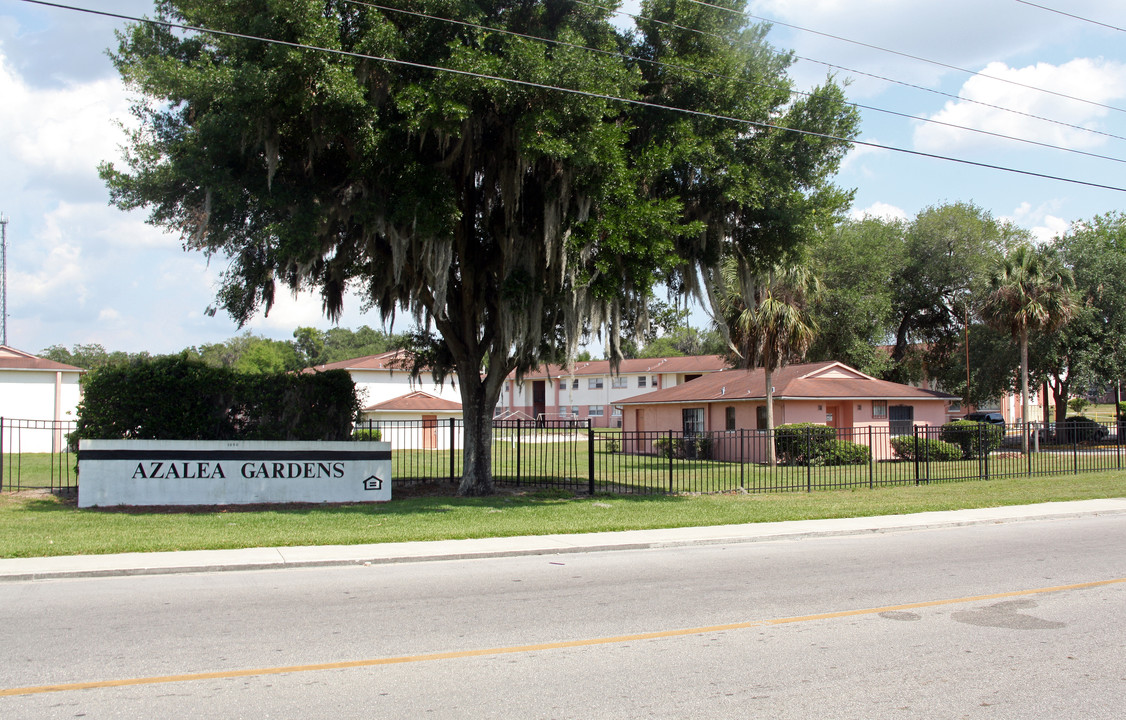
point(694, 447)
point(929, 448)
point(176, 398)
point(1079, 428)
point(974, 438)
point(1078, 405)
point(370, 434)
point(612, 445)
point(800, 443)
point(843, 452)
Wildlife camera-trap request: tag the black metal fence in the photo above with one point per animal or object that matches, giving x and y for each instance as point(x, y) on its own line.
point(574, 456)
point(571, 455)
point(37, 454)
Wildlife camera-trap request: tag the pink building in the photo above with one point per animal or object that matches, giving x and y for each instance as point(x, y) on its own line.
point(731, 404)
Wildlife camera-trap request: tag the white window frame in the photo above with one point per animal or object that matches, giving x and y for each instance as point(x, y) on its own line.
point(621, 381)
point(594, 383)
point(879, 408)
point(594, 410)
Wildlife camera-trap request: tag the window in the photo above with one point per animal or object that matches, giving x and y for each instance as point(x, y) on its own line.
point(901, 418)
point(641, 381)
point(619, 382)
point(760, 417)
point(616, 410)
point(594, 383)
point(693, 421)
point(594, 410)
point(730, 417)
point(575, 384)
point(879, 408)
point(954, 407)
point(575, 411)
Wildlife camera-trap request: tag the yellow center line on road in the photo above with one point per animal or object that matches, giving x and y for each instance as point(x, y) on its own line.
point(457, 654)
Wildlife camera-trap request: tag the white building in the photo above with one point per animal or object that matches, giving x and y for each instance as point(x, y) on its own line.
point(591, 389)
point(35, 394)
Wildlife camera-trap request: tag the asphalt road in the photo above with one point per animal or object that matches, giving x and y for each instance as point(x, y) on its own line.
point(1017, 620)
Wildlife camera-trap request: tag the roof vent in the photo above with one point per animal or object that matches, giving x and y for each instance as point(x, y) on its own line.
point(723, 390)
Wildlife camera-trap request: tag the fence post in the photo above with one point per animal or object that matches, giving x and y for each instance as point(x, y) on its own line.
point(1117, 441)
point(671, 453)
point(519, 424)
point(871, 460)
point(808, 460)
point(1032, 446)
point(982, 447)
point(915, 432)
point(1, 454)
point(453, 477)
point(590, 455)
point(742, 457)
point(1075, 451)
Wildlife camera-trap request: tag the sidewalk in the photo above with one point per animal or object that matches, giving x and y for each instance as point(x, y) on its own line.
point(21, 569)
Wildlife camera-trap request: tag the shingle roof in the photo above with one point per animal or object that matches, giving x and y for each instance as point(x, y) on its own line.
point(823, 380)
point(636, 366)
point(391, 360)
point(415, 401)
point(12, 359)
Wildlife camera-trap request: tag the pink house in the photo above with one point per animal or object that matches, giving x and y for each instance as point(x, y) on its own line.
point(730, 406)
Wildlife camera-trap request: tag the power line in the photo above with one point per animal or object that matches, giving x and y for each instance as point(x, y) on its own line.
point(581, 93)
point(1077, 17)
point(673, 66)
point(910, 56)
point(875, 76)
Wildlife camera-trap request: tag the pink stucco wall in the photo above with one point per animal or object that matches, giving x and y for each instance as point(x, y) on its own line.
point(646, 423)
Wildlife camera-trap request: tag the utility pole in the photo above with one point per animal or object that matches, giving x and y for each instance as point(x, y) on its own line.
point(3, 279)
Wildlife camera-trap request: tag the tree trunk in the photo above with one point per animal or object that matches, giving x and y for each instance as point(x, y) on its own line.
point(771, 455)
point(479, 397)
point(1024, 404)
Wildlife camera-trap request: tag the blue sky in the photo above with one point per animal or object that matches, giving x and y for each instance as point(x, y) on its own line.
point(80, 271)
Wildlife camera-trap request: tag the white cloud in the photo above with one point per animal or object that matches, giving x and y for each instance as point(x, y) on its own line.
point(60, 131)
point(1099, 81)
point(879, 210)
point(1039, 220)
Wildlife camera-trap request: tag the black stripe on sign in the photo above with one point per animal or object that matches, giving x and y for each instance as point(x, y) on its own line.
point(289, 455)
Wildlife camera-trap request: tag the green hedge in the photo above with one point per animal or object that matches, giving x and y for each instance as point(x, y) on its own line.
point(176, 398)
point(975, 439)
point(843, 452)
point(802, 443)
point(929, 448)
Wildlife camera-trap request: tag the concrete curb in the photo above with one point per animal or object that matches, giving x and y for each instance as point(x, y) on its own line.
point(200, 561)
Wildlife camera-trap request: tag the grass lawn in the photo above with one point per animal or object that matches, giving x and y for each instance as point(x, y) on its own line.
point(39, 525)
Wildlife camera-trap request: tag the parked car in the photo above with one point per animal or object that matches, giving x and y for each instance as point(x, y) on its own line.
point(994, 418)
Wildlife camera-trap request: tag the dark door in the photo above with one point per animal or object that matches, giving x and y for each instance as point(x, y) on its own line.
point(539, 394)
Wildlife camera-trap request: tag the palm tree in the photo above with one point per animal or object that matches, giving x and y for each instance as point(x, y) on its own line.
point(1030, 291)
point(768, 321)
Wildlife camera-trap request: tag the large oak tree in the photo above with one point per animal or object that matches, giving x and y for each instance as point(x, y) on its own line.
point(507, 217)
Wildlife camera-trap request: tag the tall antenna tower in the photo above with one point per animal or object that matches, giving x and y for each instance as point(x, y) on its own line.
point(3, 279)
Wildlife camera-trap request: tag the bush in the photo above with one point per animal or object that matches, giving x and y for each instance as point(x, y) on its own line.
point(800, 443)
point(695, 447)
point(176, 398)
point(1079, 428)
point(843, 452)
point(974, 438)
point(369, 434)
point(929, 448)
point(612, 445)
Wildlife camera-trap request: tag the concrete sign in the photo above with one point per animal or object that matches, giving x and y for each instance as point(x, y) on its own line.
point(179, 472)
